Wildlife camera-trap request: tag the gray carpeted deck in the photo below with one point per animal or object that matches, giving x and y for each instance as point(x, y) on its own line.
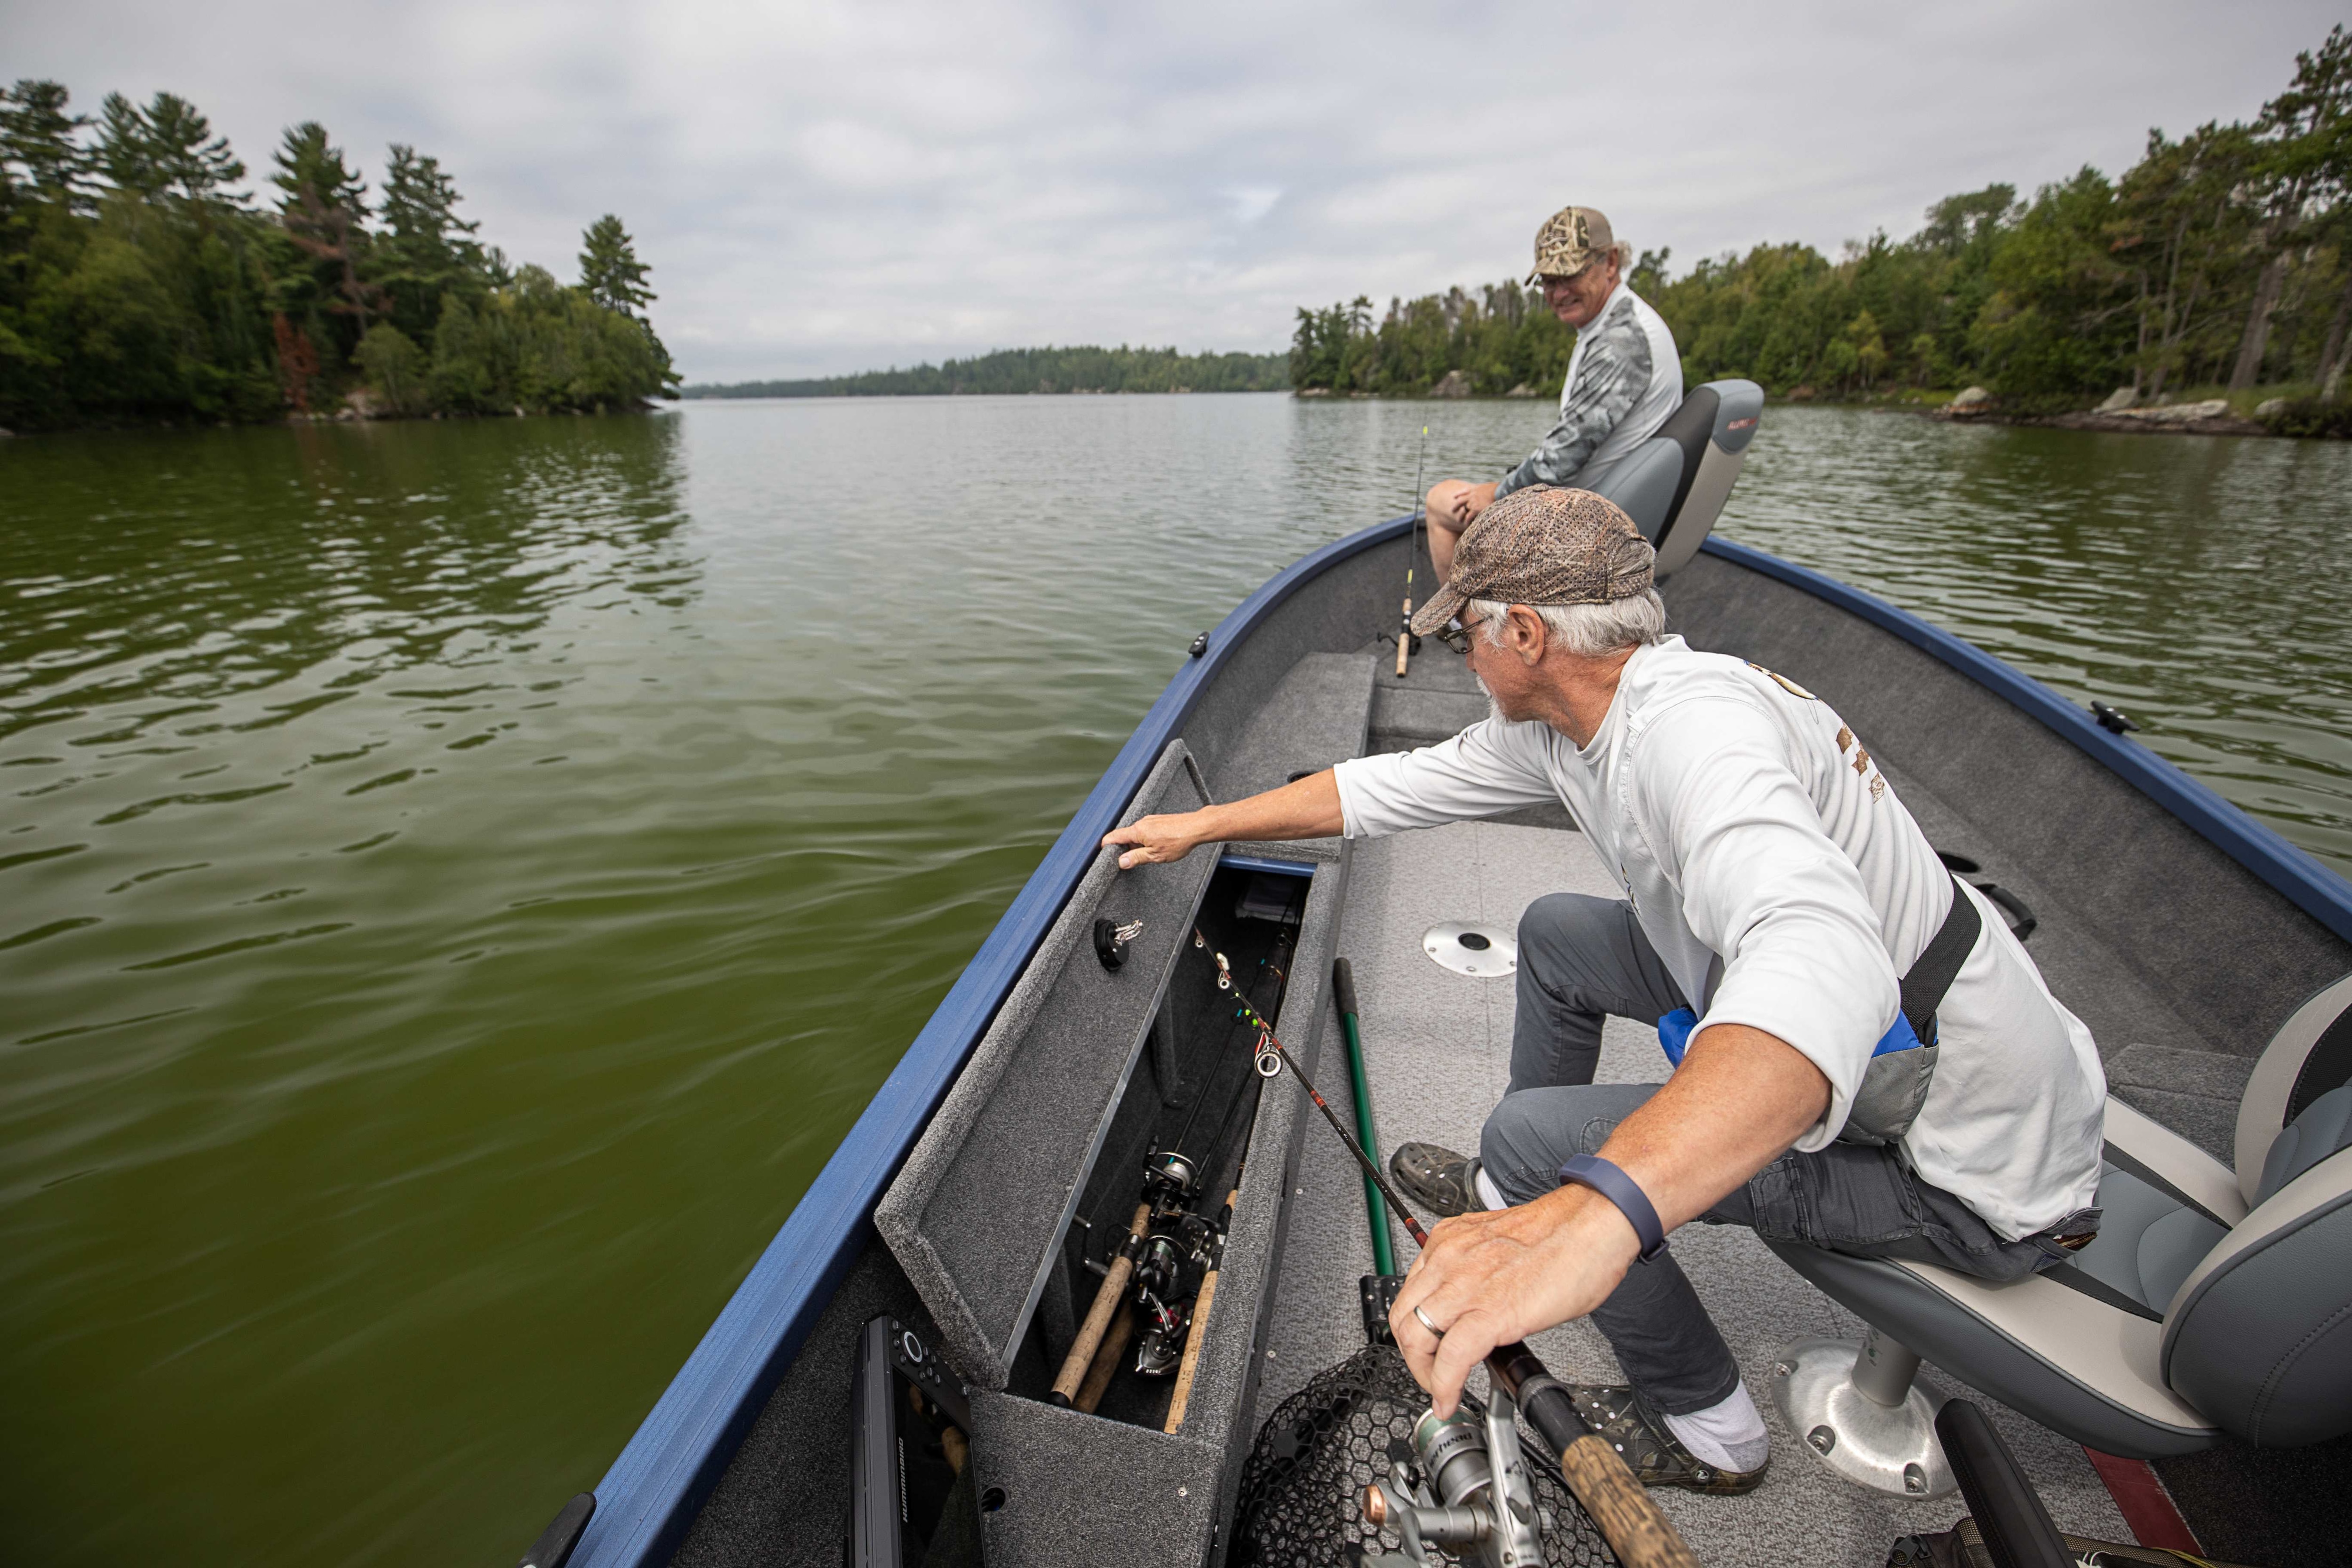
point(1438, 1045)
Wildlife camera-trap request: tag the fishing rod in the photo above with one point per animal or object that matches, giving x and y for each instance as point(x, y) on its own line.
point(1406, 642)
point(1147, 1264)
point(1273, 1057)
point(1639, 1533)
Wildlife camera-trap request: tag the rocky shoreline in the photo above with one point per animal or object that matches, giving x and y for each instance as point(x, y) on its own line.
point(2209, 418)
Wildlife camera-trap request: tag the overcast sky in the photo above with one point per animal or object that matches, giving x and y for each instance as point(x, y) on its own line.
point(829, 187)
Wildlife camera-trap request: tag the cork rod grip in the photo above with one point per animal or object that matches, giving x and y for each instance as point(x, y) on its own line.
point(1404, 637)
point(1114, 1345)
point(1090, 1333)
point(1192, 1351)
point(1640, 1535)
point(1621, 1506)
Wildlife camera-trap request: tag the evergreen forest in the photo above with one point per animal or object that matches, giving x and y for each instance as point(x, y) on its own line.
point(2221, 260)
point(1121, 369)
point(141, 283)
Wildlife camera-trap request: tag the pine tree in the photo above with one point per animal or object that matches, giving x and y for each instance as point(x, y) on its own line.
point(610, 272)
point(126, 148)
point(323, 212)
point(38, 144)
point(188, 158)
point(423, 248)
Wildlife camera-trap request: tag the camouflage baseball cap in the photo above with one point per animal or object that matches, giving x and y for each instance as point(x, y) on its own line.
point(1568, 238)
point(1543, 546)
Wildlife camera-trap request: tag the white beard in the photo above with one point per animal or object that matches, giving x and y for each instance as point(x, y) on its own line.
point(1494, 708)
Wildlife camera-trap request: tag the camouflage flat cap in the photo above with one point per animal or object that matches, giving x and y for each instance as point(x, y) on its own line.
point(1568, 238)
point(1541, 546)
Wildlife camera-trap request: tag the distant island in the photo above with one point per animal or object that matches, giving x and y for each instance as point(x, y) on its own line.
point(2217, 267)
point(1046, 369)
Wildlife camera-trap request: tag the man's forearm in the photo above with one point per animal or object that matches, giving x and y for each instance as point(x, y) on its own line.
point(1308, 808)
point(1739, 1099)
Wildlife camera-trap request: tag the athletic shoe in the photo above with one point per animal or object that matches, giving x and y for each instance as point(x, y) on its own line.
point(1634, 1427)
point(1440, 1181)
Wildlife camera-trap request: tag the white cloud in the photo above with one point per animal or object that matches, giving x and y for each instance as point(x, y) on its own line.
point(822, 186)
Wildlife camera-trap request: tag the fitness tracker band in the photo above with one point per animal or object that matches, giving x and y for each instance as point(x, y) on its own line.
point(1602, 1177)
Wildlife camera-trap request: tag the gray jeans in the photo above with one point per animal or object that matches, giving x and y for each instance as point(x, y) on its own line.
point(1581, 958)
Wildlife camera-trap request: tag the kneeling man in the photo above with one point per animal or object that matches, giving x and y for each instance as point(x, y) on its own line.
point(1792, 932)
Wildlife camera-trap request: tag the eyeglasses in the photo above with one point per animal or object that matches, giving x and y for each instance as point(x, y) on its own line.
point(1456, 634)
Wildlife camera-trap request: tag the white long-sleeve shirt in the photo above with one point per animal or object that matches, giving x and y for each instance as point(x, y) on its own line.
point(1786, 887)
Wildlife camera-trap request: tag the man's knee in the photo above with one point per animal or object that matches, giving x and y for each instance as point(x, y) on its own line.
point(1533, 1132)
point(1559, 927)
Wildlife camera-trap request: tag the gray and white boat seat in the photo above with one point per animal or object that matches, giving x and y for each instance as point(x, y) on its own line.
point(1674, 484)
point(2212, 1301)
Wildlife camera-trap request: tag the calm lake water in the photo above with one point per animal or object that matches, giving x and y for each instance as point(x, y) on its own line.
point(458, 881)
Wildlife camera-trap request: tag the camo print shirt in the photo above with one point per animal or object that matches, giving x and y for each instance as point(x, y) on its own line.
point(1624, 379)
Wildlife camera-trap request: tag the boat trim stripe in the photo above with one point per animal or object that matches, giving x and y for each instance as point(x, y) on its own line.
point(2310, 886)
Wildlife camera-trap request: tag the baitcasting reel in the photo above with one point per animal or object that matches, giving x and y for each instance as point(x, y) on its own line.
point(1473, 1492)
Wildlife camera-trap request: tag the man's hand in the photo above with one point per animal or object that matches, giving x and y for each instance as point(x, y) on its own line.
point(1158, 840)
point(1490, 1279)
point(1308, 808)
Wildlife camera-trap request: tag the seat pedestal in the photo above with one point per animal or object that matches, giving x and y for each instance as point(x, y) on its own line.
point(1860, 1408)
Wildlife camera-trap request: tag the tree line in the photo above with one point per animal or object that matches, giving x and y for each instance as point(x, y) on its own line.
point(141, 283)
point(1046, 369)
point(2222, 259)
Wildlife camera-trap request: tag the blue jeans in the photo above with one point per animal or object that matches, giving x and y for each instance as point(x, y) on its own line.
point(1583, 958)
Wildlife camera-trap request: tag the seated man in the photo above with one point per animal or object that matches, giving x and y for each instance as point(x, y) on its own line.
point(1625, 378)
point(1774, 886)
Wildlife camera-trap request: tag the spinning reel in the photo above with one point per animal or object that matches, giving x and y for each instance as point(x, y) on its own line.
point(1473, 1492)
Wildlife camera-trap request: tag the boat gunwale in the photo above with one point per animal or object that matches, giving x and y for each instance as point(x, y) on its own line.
point(646, 1500)
point(2287, 867)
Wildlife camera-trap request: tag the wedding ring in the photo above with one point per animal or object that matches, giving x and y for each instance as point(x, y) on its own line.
point(1425, 1323)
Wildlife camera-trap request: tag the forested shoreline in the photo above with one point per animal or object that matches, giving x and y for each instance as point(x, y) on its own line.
point(1046, 369)
point(2222, 261)
point(141, 283)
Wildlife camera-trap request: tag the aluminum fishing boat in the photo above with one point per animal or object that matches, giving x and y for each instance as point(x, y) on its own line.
point(892, 1372)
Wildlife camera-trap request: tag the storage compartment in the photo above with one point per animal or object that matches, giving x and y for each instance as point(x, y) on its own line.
point(1176, 1147)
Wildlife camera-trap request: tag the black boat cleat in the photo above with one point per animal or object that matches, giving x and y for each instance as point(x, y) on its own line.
point(1631, 1425)
point(1442, 1183)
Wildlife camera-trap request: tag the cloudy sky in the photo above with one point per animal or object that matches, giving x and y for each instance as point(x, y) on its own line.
point(823, 188)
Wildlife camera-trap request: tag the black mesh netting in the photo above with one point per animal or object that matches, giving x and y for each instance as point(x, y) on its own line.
point(1303, 1486)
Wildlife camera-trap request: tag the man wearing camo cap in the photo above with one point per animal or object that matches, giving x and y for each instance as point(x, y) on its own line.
point(1790, 931)
point(1624, 377)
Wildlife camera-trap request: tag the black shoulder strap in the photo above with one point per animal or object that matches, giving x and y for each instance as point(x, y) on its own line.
point(1931, 977)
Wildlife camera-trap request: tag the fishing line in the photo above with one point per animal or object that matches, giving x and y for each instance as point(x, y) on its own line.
point(1270, 1049)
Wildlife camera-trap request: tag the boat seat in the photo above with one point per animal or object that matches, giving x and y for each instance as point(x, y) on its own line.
point(2212, 1300)
point(1674, 484)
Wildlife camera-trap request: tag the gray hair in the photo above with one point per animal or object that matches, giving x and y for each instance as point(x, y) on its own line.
point(1589, 631)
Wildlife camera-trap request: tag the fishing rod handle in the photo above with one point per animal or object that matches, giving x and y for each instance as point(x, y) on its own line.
point(1106, 1366)
point(1194, 1329)
point(1404, 637)
point(1098, 1323)
point(1639, 1533)
point(1343, 987)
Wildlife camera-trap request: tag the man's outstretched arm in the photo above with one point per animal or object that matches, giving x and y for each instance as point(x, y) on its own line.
point(1306, 809)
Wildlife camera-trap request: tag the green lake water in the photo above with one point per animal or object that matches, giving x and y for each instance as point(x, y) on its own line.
point(458, 881)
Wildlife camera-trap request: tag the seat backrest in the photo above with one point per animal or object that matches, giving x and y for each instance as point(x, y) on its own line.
point(1674, 484)
point(2310, 1055)
point(2259, 1335)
